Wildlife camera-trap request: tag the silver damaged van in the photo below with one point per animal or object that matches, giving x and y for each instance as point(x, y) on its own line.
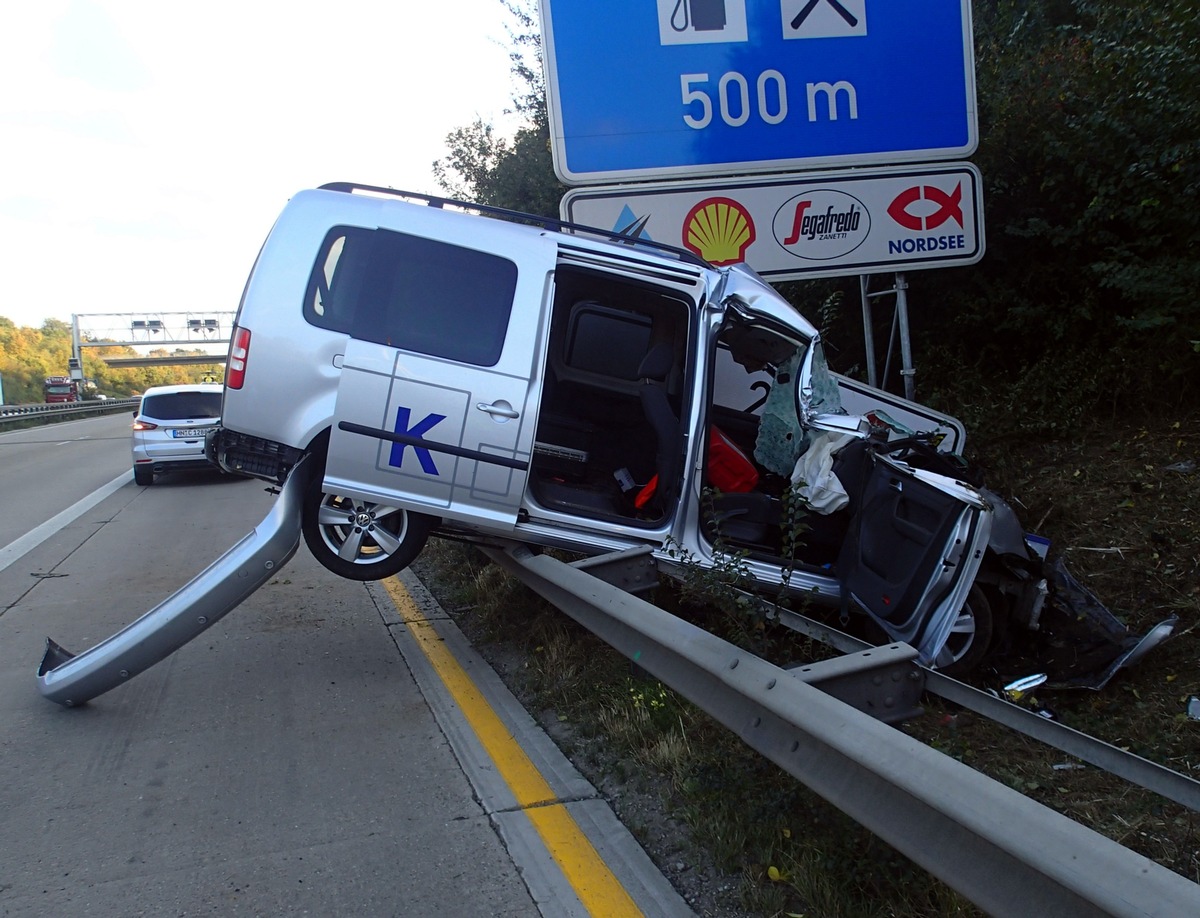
point(464, 371)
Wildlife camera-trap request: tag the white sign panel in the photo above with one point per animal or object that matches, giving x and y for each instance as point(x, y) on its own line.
point(821, 224)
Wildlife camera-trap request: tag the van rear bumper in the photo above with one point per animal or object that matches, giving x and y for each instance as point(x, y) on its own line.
point(243, 454)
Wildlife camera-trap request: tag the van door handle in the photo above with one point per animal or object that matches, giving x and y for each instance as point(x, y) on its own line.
point(500, 409)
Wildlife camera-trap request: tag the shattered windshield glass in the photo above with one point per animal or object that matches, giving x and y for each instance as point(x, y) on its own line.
point(766, 362)
point(823, 395)
point(780, 434)
point(792, 377)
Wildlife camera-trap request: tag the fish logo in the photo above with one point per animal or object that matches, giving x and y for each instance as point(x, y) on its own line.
point(949, 207)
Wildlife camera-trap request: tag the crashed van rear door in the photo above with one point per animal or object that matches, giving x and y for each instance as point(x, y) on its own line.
point(436, 400)
point(914, 546)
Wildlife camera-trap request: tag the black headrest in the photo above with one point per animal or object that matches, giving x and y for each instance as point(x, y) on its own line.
point(657, 362)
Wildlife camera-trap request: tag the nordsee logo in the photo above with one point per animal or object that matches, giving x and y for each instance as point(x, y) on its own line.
point(926, 207)
point(821, 225)
point(926, 244)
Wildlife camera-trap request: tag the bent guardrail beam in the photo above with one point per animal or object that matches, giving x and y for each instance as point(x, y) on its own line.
point(73, 680)
point(1008, 854)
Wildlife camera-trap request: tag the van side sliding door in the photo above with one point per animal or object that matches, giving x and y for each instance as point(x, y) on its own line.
point(437, 402)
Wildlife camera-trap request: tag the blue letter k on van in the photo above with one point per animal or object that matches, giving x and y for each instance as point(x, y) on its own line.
point(422, 428)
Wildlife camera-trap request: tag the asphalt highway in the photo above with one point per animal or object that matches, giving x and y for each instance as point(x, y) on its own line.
point(328, 748)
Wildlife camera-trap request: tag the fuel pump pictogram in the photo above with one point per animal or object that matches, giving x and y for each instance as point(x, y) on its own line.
point(691, 22)
point(700, 15)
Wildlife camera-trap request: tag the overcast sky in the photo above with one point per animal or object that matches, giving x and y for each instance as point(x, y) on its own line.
point(149, 144)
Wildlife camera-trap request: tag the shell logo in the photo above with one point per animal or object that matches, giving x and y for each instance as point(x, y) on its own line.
point(719, 230)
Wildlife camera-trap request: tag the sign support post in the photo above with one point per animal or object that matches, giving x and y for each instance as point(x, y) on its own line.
point(907, 370)
point(899, 324)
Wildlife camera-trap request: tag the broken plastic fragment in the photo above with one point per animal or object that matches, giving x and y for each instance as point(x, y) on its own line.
point(1016, 691)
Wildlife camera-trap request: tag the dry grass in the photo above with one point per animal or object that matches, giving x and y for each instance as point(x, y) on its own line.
point(1122, 503)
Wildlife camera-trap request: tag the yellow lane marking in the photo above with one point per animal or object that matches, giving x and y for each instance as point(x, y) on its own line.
point(600, 892)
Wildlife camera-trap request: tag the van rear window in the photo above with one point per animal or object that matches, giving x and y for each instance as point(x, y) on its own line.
point(412, 293)
point(179, 406)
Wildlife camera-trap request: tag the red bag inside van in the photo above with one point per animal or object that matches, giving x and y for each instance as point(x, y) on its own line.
point(729, 469)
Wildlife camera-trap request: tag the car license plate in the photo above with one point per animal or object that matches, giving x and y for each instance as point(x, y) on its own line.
point(190, 433)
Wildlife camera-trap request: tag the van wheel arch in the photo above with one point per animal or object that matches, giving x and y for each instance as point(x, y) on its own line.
point(318, 448)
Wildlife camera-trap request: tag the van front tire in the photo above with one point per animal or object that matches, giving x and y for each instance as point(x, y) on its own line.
point(361, 540)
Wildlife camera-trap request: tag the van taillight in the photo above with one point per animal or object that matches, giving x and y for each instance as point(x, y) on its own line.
point(235, 369)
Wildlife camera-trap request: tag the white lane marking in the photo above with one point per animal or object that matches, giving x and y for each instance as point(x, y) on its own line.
point(17, 548)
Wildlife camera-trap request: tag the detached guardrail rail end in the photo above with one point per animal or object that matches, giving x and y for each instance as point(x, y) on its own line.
point(71, 680)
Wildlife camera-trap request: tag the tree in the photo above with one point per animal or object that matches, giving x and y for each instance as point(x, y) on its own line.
point(517, 174)
point(1089, 134)
point(29, 355)
point(1090, 153)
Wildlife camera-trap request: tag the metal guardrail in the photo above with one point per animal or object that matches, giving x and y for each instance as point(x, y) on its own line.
point(74, 679)
point(11, 413)
point(1119, 762)
point(1008, 854)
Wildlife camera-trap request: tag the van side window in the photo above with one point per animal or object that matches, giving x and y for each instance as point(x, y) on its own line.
point(323, 275)
point(605, 340)
point(412, 293)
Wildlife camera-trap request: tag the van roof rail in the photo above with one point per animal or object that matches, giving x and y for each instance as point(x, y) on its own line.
point(520, 217)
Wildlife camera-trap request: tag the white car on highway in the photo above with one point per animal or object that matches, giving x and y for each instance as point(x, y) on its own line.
point(169, 427)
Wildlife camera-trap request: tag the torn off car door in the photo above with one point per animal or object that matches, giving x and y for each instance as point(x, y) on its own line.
point(914, 546)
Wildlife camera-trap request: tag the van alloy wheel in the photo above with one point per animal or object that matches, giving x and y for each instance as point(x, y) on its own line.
point(361, 540)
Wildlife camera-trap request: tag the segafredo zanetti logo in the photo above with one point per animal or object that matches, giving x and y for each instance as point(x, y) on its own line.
point(820, 225)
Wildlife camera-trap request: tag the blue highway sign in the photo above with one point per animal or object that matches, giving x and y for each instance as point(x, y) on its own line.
point(647, 89)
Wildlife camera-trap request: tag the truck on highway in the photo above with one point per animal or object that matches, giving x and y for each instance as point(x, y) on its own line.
point(58, 389)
